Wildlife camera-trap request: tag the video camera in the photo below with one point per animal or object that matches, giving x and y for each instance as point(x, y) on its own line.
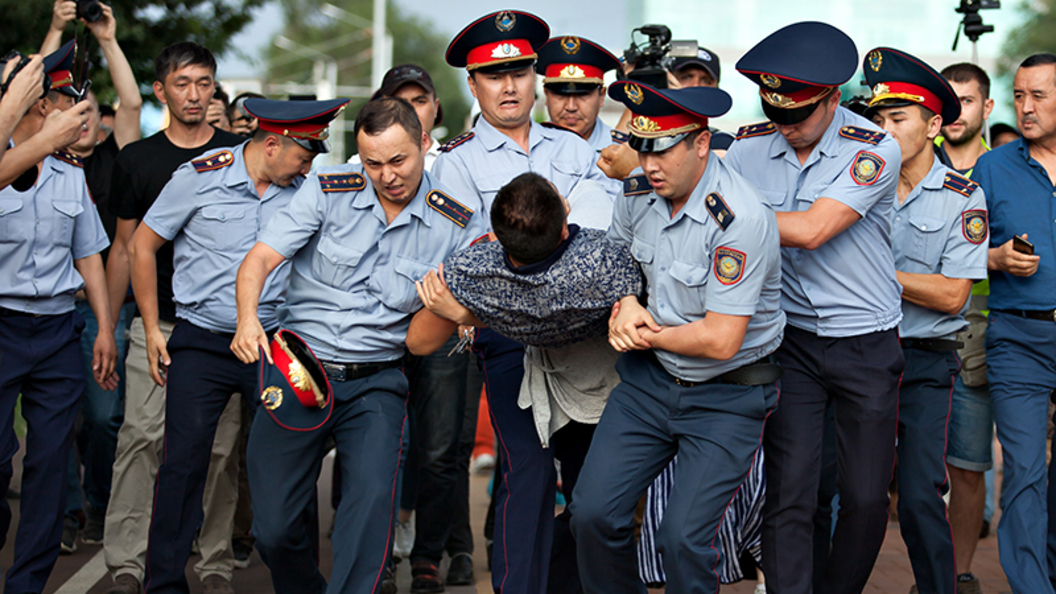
point(972, 24)
point(653, 61)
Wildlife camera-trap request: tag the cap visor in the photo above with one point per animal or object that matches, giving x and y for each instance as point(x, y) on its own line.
point(789, 117)
point(654, 145)
point(316, 146)
point(506, 66)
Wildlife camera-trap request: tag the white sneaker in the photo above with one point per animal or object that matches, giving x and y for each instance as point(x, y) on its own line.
point(760, 589)
point(482, 463)
point(404, 541)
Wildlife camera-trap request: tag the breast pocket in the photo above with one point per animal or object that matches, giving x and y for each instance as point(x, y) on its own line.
point(335, 264)
point(12, 228)
point(565, 176)
point(64, 219)
point(643, 253)
point(220, 227)
point(776, 198)
point(691, 279)
point(927, 240)
point(397, 290)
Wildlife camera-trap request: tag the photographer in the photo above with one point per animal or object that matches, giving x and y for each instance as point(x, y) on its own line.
point(101, 409)
point(21, 89)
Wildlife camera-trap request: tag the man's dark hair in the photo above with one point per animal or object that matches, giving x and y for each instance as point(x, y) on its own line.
point(106, 109)
point(180, 54)
point(221, 95)
point(527, 217)
point(1038, 60)
point(965, 72)
point(379, 115)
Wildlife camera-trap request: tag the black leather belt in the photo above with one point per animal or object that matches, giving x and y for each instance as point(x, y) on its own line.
point(342, 372)
point(931, 344)
point(1049, 315)
point(14, 313)
point(762, 372)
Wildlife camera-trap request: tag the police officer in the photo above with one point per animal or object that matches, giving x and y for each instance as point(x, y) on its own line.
point(499, 50)
point(50, 240)
point(359, 236)
point(939, 241)
point(695, 376)
point(213, 210)
point(831, 176)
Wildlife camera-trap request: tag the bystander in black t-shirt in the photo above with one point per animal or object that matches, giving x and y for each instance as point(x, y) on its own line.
point(98, 169)
point(140, 173)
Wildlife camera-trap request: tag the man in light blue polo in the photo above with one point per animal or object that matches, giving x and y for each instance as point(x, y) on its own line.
point(358, 236)
point(696, 375)
point(50, 240)
point(1021, 336)
point(213, 210)
point(938, 237)
point(831, 176)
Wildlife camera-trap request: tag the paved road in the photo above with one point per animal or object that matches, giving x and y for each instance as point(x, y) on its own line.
point(85, 572)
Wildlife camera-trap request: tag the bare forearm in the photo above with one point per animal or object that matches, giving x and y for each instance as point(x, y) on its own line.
point(719, 340)
point(252, 275)
point(126, 119)
point(91, 270)
point(19, 159)
point(428, 332)
point(145, 285)
point(935, 291)
point(796, 231)
point(52, 41)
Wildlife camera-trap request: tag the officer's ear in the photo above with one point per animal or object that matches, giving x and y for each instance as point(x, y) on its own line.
point(702, 144)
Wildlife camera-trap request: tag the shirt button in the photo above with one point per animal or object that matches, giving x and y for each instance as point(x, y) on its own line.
point(923, 227)
point(1054, 194)
point(898, 218)
point(663, 268)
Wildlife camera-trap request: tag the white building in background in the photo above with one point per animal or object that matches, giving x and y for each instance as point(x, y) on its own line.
point(924, 28)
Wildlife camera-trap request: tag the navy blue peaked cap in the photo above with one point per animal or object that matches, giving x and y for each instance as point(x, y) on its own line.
point(500, 41)
point(59, 68)
point(305, 122)
point(897, 78)
point(572, 64)
point(662, 117)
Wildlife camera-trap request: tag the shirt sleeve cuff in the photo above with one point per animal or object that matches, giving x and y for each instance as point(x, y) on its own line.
point(160, 228)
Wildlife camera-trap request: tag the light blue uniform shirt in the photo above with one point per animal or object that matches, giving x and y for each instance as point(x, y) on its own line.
point(351, 292)
point(931, 234)
point(42, 231)
point(846, 287)
point(691, 265)
point(600, 138)
point(213, 219)
point(481, 165)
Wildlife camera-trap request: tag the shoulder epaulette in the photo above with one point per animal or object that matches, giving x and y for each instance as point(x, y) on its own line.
point(960, 184)
point(70, 158)
point(214, 161)
point(636, 185)
point(342, 182)
point(555, 126)
point(457, 212)
point(719, 210)
point(862, 134)
point(450, 144)
point(761, 129)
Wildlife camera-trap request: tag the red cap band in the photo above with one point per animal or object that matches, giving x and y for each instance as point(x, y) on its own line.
point(569, 72)
point(297, 130)
point(498, 52)
point(907, 91)
point(61, 78)
point(669, 125)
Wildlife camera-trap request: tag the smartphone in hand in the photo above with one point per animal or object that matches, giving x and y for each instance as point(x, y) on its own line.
point(1022, 245)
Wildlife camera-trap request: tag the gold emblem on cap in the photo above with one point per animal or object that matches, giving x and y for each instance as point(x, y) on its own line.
point(770, 80)
point(881, 89)
point(644, 124)
point(298, 376)
point(634, 93)
point(505, 50)
point(572, 71)
point(875, 60)
point(271, 398)
point(570, 45)
point(505, 20)
point(778, 100)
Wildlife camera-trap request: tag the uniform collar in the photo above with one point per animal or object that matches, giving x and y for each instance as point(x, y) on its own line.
point(933, 180)
point(828, 146)
point(236, 173)
point(494, 139)
point(601, 131)
point(368, 198)
point(694, 207)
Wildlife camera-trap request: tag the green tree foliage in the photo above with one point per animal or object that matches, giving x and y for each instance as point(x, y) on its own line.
point(1035, 35)
point(414, 41)
point(144, 27)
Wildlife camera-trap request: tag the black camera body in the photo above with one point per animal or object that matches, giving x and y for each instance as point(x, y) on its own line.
point(22, 61)
point(89, 10)
point(652, 62)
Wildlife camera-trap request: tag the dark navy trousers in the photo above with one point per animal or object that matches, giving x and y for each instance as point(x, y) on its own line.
point(1021, 369)
point(924, 400)
point(714, 428)
point(367, 424)
point(859, 376)
point(203, 376)
point(40, 357)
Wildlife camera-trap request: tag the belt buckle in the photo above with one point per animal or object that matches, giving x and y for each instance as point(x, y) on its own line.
point(334, 372)
point(684, 383)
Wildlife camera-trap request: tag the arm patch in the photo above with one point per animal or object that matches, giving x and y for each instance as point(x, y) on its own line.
point(70, 158)
point(974, 226)
point(636, 185)
point(214, 161)
point(450, 144)
point(719, 210)
point(960, 184)
point(452, 209)
point(761, 129)
point(862, 134)
point(342, 182)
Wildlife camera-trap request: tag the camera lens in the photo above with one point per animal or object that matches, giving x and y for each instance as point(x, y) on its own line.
point(89, 10)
